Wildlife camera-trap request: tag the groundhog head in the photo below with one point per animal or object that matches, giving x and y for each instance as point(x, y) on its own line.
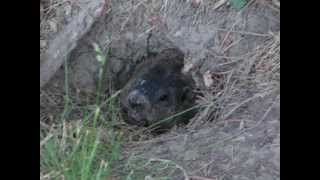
point(157, 90)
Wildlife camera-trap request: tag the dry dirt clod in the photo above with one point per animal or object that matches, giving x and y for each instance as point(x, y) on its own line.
point(187, 67)
point(207, 78)
point(53, 25)
point(196, 3)
point(68, 9)
point(43, 43)
point(276, 2)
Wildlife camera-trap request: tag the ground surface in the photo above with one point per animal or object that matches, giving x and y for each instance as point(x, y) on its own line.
point(234, 56)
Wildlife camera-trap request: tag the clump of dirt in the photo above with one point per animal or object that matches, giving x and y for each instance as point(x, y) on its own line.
point(234, 58)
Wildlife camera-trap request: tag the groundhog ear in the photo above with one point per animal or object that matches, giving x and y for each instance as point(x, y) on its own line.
point(177, 62)
point(174, 56)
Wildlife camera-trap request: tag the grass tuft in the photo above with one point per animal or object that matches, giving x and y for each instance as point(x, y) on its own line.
point(81, 150)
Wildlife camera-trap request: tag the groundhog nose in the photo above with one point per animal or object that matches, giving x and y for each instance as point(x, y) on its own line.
point(137, 99)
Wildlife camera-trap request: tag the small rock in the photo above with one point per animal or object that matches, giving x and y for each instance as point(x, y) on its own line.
point(43, 43)
point(67, 10)
point(188, 67)
point(117, 66)
point(276, 2)
point(178, 34)
point(195, 3)
point(53, 25)
point(207, 78)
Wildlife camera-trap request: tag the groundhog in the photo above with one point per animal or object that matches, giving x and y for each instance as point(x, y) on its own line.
point(158, 90)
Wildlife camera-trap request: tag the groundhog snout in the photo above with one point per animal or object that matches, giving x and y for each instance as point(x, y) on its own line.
point(137, 100)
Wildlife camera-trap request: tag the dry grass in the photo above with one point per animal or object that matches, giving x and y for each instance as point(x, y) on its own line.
point(259, 70)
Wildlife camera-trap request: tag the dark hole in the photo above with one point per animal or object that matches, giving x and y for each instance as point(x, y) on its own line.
point(124, 111)
point(184, 97)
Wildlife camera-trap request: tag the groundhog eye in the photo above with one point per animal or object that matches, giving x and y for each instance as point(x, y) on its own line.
point(163, 97)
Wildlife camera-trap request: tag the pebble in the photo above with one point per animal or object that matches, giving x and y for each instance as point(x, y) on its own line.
point(43, 43)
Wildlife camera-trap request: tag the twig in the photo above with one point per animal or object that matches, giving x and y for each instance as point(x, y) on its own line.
point(200, 178)
point(245, 32)
point(231, 45)
point(44, 125)
point(52, 6)
point(241, 104)
point(146, 32)
point(219, 4)
point(45, 140)
point(206, 165)
point(157, 140)
point(49, 175)
point(185, 174)
point(228, 34)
